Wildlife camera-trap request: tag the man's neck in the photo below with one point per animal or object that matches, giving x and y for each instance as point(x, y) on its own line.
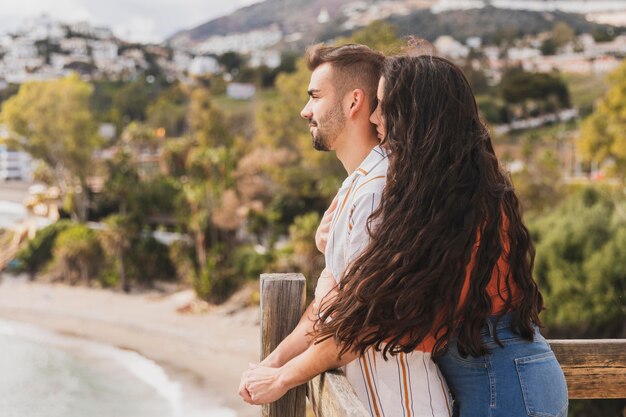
point(354, 153)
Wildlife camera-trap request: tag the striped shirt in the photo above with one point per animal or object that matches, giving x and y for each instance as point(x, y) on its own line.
point(406, 385)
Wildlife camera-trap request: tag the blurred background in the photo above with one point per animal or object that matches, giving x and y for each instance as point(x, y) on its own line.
point(153, 163)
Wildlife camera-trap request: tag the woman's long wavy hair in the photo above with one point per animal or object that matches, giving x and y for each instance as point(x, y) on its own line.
point(445, 192)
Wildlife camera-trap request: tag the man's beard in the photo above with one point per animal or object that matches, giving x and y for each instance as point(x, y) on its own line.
point(333, 123)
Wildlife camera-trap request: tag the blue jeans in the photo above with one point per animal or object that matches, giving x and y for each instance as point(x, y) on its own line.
point(520, 379)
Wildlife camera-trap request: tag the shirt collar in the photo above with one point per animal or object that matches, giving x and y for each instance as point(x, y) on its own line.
point(377, 154)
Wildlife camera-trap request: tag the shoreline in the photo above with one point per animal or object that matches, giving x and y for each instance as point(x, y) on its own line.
point(204, 352)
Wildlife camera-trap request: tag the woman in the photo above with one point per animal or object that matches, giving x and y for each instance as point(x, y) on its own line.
point(449, 265)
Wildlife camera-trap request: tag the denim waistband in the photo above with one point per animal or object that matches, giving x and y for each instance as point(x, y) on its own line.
point(498, 325)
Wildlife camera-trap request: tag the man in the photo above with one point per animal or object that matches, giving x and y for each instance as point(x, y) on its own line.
point(342, 95)
point(408, 383)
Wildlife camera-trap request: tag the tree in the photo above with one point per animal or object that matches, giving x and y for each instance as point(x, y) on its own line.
point(208, 125)
point(518, 86)
point(231, 61)
point(122, 183)
point(165, 114)
point(581, 247)
point(169, 111)
point(78, 253)
point(378, 35)
point(208, 201)
point(51, 120)
point(603, 134)
point(116, 239)
point(562, 34)
point(531, 94)
point(130, 101)
point(539, 185)
point(306, 256)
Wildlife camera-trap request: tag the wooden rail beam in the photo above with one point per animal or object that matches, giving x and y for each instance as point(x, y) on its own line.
point(331, 395)
point(593, 368)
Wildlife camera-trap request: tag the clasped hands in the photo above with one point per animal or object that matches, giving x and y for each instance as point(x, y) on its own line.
point(262, 385)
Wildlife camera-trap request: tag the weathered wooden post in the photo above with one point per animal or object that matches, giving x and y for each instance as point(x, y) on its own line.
point(282, 305)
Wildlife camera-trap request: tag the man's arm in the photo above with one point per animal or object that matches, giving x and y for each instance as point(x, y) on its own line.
point(294, 344)
point(264, 385)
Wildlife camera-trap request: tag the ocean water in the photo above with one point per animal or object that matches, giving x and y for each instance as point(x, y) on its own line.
point(11, 213)
point(44, 374)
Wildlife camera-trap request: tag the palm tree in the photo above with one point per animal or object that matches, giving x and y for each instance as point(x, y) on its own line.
point(116, 239)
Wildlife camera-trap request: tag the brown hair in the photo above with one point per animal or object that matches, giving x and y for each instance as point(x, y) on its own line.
point(354, 66)
point(445, 192)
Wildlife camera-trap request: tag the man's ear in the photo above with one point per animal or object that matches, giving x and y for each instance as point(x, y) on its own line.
point(356, 101)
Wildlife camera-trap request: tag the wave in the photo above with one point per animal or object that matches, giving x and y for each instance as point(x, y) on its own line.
point(50, 375)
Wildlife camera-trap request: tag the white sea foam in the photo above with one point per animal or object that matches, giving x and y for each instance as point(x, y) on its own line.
point(44, 374)
point(11, 213)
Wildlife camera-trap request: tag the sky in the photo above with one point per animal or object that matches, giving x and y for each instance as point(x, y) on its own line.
point(132, 20)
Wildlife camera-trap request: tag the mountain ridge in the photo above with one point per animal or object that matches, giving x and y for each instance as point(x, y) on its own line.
point(301, 16)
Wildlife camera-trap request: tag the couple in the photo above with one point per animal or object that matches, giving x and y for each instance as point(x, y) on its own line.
point(426, 244)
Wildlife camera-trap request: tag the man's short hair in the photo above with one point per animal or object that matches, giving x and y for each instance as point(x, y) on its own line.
point(354, 66)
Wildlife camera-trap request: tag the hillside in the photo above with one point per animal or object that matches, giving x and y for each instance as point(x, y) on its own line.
point(488, 23)
point(290, 15)
point(301, 16)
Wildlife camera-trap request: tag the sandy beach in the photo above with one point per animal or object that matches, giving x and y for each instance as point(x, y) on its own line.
point(205, 352)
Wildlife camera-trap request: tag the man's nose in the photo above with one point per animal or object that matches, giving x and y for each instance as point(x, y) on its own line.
point(306, 112)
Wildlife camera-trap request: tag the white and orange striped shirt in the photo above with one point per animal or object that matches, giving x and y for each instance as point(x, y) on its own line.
point(406, 385)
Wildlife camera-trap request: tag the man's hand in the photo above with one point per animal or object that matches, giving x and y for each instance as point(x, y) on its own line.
point(262, 385)
point(321, 235)
point(243, 390)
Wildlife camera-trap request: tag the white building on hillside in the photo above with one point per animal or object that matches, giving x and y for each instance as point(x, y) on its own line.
point(14, 165)
point(87, 30)
point(521, 54)
point(74, 46)
point(270, 59)
point(103, 51)
point(448, 46)
point(21, 48)
point(203, 65)
point(240, 91)
point(242, 42)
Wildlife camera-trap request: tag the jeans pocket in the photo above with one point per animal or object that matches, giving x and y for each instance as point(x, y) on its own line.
point(543, 385)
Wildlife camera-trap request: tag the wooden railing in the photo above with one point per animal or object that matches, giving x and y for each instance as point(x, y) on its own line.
point(593, 368)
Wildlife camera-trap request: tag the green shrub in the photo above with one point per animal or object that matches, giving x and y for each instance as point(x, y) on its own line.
point(149, 261)
point(581, 247)
point(249, 264)
point(77, 254)
point(38, 252)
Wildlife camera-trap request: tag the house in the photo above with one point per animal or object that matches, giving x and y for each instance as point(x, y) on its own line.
point(14, 165)
point(203, 65)
point(270, 59)
point(240, 91)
